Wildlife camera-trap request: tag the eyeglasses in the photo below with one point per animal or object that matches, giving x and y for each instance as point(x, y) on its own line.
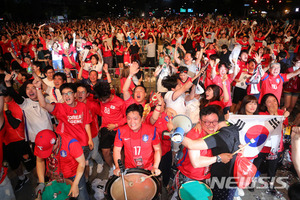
point(82, 92)
point(67, 94)
point(207, 123)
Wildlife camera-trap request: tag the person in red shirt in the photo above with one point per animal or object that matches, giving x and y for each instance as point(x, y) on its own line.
point(259, 38)
point(211, 49)
point(141, 143)
point(64, 162)
point(292, 88)
point(195, 164)
point(213, 96)
point(107, 55)
point(95, 111)
point(244, 42)
point(139, 94)
point(124, 76)
point(113, 116)
point(160, 120)
point(16, 150)
point(5, 44)
point(26, 64)
point(68, 52)
point(73, 116)
point(273, 82)
point(119, 50)
point(6, 190)
point(223, 78)
point(269, 106)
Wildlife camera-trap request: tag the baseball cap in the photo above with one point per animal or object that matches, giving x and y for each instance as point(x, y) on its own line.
point(44, 142)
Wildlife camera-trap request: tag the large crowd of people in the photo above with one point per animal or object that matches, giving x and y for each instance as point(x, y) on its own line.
point(60, 112)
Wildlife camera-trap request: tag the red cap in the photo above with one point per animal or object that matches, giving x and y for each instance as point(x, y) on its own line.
point(44, 142)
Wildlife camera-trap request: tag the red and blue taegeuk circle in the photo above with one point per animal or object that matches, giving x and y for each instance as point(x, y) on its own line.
point(259, 133)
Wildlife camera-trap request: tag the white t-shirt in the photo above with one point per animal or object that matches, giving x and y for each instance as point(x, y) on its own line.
point(36, 118)
point(163, 73)
point(48, 83)
point(56, 55)
point(193, 109)
point(178, 105)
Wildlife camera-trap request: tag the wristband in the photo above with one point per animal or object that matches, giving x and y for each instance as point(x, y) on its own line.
point(158, 105)
point(130, 76)
point(38, 88)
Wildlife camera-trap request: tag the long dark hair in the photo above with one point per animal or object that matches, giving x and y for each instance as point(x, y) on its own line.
point(217, 91)
point(263, 106)
point(247, 99)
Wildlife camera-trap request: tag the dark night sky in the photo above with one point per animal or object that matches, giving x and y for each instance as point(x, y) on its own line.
point(43, 9)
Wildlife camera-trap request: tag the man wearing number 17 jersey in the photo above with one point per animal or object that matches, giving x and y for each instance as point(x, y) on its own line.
point(141, 143)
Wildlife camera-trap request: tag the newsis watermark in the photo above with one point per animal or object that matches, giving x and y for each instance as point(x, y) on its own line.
point(258, 183)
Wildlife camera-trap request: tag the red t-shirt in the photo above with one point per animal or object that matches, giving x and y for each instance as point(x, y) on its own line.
point(271, 84)
point(5, 46)
point(294, 83)
point(70, 150)
point(43, 43)
point(245, 45)
point(106, 53)
point(31, 52)
point(243, 70)
point(126, 57)
point(72, 121)
point(218, 103)
point(14, 135)
point(24, 65)
point(66, 61)
point(242, 65)
point(218, 81)
point(120, 48)
point(3, 170)
point(210, 52)
point(94, 109)
point(131, 100)
point(113, 112)
point(138, 146)
point(184, 164)
point(258, 42)
point(161, 125)
point(266, 59)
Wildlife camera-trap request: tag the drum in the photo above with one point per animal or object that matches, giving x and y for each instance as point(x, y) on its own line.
point(138, 187)
point(195, 190)
point(56, 191)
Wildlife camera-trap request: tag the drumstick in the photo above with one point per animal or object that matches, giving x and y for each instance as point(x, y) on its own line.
point(251, 142)
point(145, 177)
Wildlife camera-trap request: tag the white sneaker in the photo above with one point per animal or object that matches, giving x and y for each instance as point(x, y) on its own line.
point(241, 192)
point(90, 170)
point(99, 168)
